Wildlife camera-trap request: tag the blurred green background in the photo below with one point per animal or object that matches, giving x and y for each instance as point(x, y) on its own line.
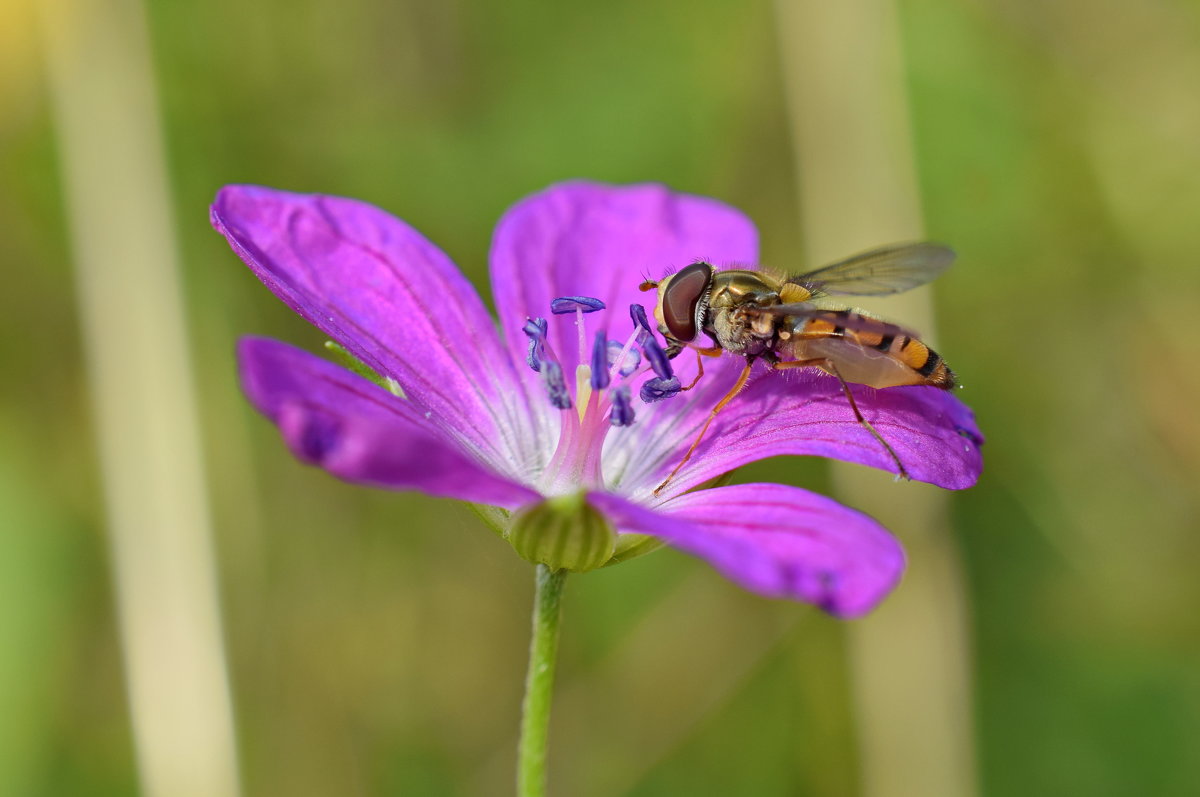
point(377, 642)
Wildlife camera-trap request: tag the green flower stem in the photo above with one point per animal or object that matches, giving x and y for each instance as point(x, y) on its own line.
point(539, 683)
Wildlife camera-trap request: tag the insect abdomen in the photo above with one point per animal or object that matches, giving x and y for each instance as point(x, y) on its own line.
point(870, 357)
point(924, 360)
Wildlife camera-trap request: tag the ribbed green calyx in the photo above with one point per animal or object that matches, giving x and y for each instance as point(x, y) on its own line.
point(563, 533)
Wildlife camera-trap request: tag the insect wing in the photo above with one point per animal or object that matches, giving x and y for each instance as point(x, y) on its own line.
point(888, 269)
point(846, 319)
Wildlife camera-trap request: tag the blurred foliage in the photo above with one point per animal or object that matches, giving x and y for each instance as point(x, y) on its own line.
point(377, 641)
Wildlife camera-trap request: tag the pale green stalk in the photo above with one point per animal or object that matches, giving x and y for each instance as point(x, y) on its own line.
point(539, 683)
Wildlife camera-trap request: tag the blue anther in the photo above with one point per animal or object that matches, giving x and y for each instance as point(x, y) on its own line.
point(638, 314)
point(535, 328)
point(632, 358)
point(556, 385)
point(659, 388)
point(569, 304)
point(657, 358)
point(600, 362)
point(622, 407)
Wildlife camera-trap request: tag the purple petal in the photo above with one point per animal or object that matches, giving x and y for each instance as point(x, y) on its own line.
point(359, 432)
point(778, 541)
point(801, 413)
point(587, 239)
point(393, 299)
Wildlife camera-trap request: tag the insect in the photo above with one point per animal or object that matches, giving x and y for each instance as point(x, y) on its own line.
point(785, 321)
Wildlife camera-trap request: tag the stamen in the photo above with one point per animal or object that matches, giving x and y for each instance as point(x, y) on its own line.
point(628, 357)
point(536, 328)
point(660, 388)
point(581, 334)
point(637, 313)
point(556, 384)
point(657, 358)
point(569, 304)
point(599, 362)
point(622, 408)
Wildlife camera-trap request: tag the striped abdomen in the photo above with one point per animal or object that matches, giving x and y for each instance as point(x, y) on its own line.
point(867, 351)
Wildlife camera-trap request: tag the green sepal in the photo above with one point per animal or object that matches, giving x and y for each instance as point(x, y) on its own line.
point(356, 365)
point(495, 518)
point(631, 546)
point(563, 533)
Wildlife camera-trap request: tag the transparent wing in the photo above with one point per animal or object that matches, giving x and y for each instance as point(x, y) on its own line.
point(846, 319)
point(888, 269)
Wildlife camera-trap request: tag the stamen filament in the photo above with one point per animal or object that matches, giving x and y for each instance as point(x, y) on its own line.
point(582, 337)
point(619, 364)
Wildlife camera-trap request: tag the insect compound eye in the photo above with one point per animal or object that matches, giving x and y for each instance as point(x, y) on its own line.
point(680, 298)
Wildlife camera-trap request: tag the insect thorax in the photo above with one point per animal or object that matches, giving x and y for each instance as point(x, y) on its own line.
point(727, 321)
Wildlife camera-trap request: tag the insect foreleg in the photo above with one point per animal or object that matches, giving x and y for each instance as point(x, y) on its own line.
point(701, 353)
point(832, 368)
point(737, 388)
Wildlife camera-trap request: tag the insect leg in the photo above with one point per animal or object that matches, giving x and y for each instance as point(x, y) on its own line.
point(829, 365)
point(737, 388)
point(700, 355)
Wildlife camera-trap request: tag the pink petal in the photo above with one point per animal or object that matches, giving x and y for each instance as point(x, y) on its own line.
point(602, 241)
point(804, 413)
point(359, 432)
point(376, 286)
point(778, 541)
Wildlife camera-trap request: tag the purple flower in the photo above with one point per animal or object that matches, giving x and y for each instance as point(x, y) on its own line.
point(474, 421)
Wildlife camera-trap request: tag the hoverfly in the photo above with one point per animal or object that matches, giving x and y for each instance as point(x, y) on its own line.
point(783, 320)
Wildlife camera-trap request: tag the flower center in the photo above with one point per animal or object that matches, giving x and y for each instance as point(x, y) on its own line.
point(603, 386)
